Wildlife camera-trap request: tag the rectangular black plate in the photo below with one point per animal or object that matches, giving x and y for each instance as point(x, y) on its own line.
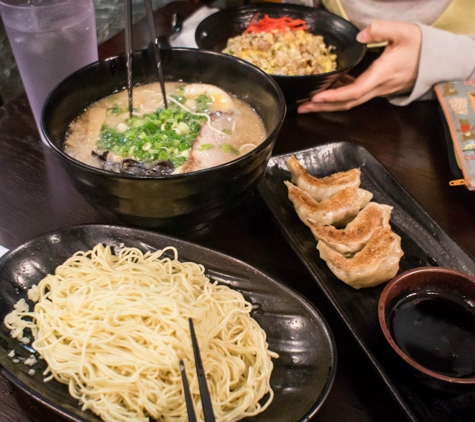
point(424, 244)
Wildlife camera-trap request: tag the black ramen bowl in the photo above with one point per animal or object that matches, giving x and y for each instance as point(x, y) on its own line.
point(174, 202)
point(427, 316)
point(214, 31)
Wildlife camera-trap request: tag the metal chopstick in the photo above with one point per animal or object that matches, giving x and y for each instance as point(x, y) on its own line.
point(128, 50)
point(153, 35)
point(204, 392)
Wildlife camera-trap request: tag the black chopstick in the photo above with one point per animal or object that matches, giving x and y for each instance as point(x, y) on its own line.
point(128, 50)
point(186, 389)
point(153, 35)
point(204, 392)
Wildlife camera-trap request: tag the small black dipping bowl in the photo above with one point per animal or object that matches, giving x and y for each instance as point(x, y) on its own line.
point(214, 31)
point(427, 315)
point(175, 202)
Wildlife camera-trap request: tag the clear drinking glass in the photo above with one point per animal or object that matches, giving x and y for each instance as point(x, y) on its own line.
point(50, 40)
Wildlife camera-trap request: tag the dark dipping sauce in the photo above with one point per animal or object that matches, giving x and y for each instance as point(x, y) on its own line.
point(436, 332)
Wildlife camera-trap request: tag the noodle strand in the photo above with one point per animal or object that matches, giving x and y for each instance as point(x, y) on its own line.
point(114, 327)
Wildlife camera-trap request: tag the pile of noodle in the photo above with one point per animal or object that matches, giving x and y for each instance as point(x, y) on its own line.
point(114, 328)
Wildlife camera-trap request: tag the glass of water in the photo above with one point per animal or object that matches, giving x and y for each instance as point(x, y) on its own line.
point(50, 40)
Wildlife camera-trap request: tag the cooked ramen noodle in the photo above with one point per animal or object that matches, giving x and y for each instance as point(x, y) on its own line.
point(114, 328)
point(202, 127)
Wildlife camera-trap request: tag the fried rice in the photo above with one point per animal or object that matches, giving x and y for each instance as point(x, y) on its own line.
point(288, 53)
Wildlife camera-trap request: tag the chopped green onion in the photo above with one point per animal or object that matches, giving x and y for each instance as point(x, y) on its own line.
point(229, 149)
point(203, 103)
point(205, 147)
point(183, 127)
point(114, 110)
point(163, 135)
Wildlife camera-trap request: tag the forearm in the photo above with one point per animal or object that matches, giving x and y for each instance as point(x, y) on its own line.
point(444, 57)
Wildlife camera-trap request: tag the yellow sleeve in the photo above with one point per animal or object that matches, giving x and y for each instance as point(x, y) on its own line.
point(334, 6)
point(458, 18)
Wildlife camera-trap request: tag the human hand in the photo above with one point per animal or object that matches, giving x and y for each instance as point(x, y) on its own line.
point(394, 72)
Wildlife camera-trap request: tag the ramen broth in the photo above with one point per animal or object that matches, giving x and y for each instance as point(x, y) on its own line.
point(202, 127)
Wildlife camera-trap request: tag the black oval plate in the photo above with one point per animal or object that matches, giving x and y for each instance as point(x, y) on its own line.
point(302, 376)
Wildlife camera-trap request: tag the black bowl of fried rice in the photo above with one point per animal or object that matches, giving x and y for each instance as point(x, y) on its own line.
point(338, 34)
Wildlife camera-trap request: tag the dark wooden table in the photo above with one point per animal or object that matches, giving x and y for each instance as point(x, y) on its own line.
point(36, 197)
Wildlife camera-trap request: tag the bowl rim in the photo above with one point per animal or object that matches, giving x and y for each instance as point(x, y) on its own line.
point(290, 6)
point(80, 164)
point(383, 301)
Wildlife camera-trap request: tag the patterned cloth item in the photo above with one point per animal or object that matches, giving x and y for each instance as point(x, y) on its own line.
point(457, 99)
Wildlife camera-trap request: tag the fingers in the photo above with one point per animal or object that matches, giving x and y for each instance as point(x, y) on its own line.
point(347, 93)
point(379, 31)
point(312, 106)
point(368, 85)
point(346, 79)
point(394, 72)
point(352, 92)
point(342, 81)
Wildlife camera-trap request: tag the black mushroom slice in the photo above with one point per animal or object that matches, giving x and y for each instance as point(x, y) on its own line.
point(102, 156)
point(138, 168)
point(135, 167)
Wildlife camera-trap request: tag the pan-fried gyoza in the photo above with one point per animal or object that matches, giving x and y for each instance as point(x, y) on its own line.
point(337, 210)
point(357, 232)
point(322, 188)
point(377, 262)
point(354, 235)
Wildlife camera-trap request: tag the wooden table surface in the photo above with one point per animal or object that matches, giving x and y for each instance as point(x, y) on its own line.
point(36, 197)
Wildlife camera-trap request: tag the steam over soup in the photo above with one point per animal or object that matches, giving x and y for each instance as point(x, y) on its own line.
point(202, 127)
